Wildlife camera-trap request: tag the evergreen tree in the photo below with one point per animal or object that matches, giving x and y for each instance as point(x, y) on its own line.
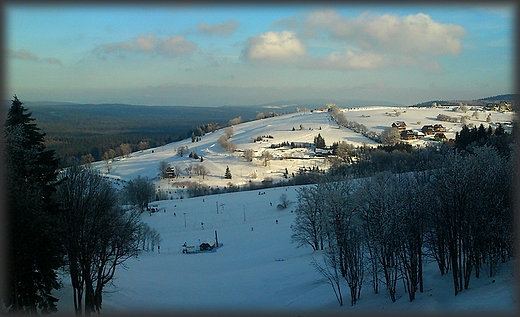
point(227, 175)
point(34, 247)
point(319, 142)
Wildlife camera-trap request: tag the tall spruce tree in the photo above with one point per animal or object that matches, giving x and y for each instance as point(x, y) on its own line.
point(34, 251)
point(227, 174)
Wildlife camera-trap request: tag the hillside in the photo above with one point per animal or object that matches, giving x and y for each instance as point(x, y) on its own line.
point(280, 129)
point(257, 269)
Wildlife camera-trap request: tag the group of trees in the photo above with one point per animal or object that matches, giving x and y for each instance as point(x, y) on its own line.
point(224, 142)
point(470, 137)
point(99, 234)
point(390, 136)
point(35, 249)
point(266, 157)
point(338, 116)
point(183, 149)
point(319, 142)
point(139, 192)
point(72, 220)
point(383, 227)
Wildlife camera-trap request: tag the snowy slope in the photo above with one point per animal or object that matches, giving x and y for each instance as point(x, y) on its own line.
point(258, 269)
point(146, 163)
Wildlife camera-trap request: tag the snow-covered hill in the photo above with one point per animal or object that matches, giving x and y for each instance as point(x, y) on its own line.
point(257, 268)
point(307, 125)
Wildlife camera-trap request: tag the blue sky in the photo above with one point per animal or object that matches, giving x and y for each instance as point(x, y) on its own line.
point(253, 54)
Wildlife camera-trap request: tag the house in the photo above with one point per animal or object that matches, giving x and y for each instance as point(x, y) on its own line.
point(439, 136)
point(439, 128)
point(428, 129)
point(407, 135)
point(170, 172)
point(418, 134)
point(400, 125)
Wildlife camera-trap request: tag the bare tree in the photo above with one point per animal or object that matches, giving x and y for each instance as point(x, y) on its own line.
point(340, 206)
point(380, 205)
point(200, 170)
point(235, 121)
point(181, 150)
point(224, 142)
point(390, 136)
point(248, 154)
point(100, 234)
point(177, 170)
point(126, 149)
point(163, 168)
point(229, 132)
point(331, 271)
point(266, 157)
point(188, 169)
point(344, 151)
point(143, 145)
point(231, 146)
point(309, 225)
point(139, 192)
point(87, 159)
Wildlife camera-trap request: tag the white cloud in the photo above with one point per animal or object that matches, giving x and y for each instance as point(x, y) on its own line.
point(170, 46)
point(225, 28)
point(274, 46)
point(30, 56)
point(413, 34)
point(350, 61)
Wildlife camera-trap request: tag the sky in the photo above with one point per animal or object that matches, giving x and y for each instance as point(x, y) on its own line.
point(231, 54)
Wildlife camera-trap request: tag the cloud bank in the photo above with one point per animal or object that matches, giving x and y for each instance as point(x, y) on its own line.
point(170, 46)
point(30, 56)
point(223, 29)
point(368, 41)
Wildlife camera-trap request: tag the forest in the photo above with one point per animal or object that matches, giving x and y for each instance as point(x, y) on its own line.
point(81, 130)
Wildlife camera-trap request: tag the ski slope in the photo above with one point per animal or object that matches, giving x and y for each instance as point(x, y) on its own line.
point(257, 269)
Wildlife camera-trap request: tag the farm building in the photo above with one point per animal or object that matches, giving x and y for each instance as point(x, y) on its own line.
point(428, 129)
point(400, 125)
point(407, 135)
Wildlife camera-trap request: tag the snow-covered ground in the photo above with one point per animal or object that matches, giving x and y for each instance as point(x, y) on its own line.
point(257, 268)
point(216, 159)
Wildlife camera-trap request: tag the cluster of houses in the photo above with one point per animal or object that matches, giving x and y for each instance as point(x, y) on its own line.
point(437, 130)
point(502, 106)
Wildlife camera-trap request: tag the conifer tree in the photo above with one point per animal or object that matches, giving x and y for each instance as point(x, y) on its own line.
point(34, 246)
point(319, 142)
point(227, 174)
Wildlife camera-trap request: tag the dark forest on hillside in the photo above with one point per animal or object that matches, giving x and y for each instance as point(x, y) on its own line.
point(79, 130)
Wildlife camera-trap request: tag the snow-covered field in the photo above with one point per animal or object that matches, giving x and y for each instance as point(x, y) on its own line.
point(257, 269)
point(216, 159)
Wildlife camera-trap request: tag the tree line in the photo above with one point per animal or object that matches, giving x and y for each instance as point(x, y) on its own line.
point(382, 228)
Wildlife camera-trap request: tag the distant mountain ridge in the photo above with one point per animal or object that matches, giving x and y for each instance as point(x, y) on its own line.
point(511, 98)
point(506, 97)
point(280, 104)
